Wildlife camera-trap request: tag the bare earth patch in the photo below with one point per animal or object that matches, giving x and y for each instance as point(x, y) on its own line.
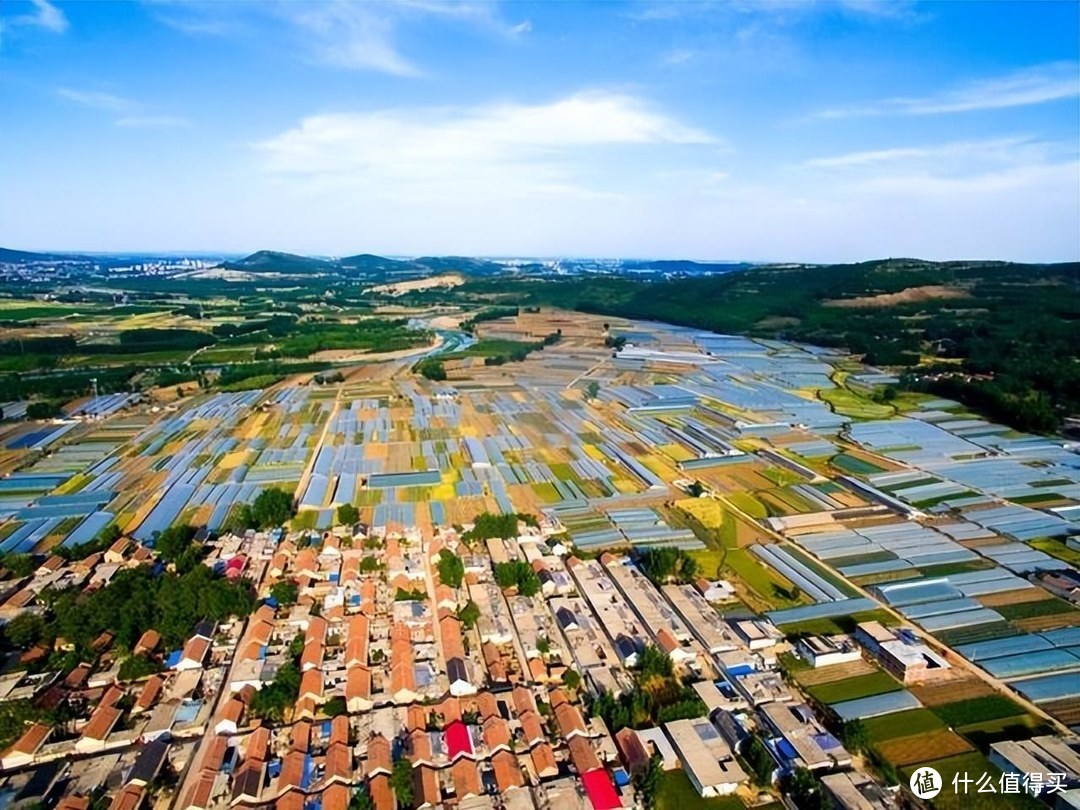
point(908, 296)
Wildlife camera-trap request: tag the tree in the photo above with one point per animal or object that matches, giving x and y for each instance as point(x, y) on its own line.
point(647, 782)
point(285, 592)
point(361, 799)
point(272, 507)
point(451, 568)
point(401, 780)
point(432, 369)
point(855, 737)
point(592, 390)
point(806, 791)
point(348, 515)
point(42, 410)
point(19, 565)
point(25, 630)
point(174, 542)
point(572, 679)
point(469, 615)
point(335, 706)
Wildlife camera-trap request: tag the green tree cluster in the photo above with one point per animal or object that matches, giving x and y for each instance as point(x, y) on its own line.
point(451, 568)
point(517, 574)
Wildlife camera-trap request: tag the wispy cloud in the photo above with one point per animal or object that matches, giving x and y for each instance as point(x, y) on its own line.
point(679, 56)
point(1035, 85)
point(152, 122)
point(132, 114)
point(358, 36)
point(96, 100)
point(996, 148)
point(509, 149)
point(45, 15)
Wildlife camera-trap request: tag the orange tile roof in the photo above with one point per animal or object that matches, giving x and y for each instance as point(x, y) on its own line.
point(196, 649)
point(665, 641)
point(316, 630)
point(265, 613)
point(415, 717)
point(199, 795)
point(232, 711)
point(336, 797)
point(569, 720)
point(466, 778)
point(537, 668)
point(339, 761)
point(311, 684)
point(532, 726)
point(32, 739)
point(450, 632)
point(339, 729)
point(293, 800)
point(450, 709)
point(378, 755)
point(150, 691)
point(486, 705)
point(544, 760)
point(419, 746)
point(356, 649)
point(507, 770)
point(558, 696)
point(426, 788)
point(292, 770)
point(300, 738)
point(215, 755)
point(382, 797)
point(78, 676)
point(258, 745)
point(148, 641)
point(524, 700)
point(496, 733)
point(312, 656)
point(582, 755)
point(306, 562)
point(358, 683)
point(261, 631)
point(129, 798)
point(101, 722)
point(74, 803)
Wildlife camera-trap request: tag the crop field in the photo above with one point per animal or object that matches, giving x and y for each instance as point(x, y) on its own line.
point(1032, 609)
point(768, 587)
point(875, 683)
point(1036, 624)
point(847, 403)
point(953, 691)
point(976, 710)
point(923, 747)
point(1056, 548)
point(810, 676)
point(850, 463)
point(901, 724)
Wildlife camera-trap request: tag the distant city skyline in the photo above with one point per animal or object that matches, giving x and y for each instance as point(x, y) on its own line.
point(808, 131)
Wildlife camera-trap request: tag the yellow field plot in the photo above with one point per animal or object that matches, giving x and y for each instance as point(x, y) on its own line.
point(708, 512)
point(624, 485)
point(594, 452)
point(676, 452)
point(140, 515)
point(443, 492)
point(232, 460)
point(451, 476)
point(74, 484)
point(656, 465)
point(255, 427)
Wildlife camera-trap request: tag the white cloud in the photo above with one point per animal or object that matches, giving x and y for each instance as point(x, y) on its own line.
point(152, 122)
point(363, 36)
point(1036, 85)
point(45, 15)
point(96, 100)
point(679, 56)
point(507, 148)
point(351, 36)
point(992, 149)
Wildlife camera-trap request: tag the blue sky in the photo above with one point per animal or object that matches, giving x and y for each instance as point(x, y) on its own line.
point(792, 130)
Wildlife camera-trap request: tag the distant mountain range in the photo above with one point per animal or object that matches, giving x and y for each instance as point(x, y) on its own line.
point(369, 267)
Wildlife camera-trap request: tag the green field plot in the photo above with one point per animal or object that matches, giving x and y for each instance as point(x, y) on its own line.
point(677, 793)
point(901, 724)
point(1056, 548)
point(847, 403)
point(854, 465)
point(1029, 610)
point(977, 710)
point(876, 683)
point(747, 503)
